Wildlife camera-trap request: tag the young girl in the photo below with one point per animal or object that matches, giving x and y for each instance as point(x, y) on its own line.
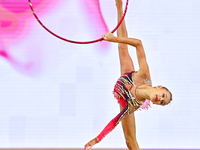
point(133, 89)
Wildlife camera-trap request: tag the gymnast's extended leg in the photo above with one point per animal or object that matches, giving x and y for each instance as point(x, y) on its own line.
point(126, 64)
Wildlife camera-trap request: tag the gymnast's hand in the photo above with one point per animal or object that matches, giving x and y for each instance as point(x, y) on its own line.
point(109, 37)
point(91, 143)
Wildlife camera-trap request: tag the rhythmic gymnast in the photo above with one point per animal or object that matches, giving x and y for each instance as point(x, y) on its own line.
point(133, 89)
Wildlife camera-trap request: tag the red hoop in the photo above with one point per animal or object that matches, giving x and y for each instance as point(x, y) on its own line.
point(76, 42)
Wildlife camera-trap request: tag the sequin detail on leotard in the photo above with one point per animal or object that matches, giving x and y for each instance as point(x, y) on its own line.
point(122, 91)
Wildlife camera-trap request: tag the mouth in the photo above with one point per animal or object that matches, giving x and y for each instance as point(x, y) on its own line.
point(156, 99)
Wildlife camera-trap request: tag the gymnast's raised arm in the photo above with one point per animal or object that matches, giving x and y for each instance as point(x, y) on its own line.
point(144, 68)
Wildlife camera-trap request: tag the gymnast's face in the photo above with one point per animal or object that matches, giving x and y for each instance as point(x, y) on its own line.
point(160, 96)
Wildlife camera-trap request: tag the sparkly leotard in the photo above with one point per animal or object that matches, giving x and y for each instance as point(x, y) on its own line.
point(122, 92)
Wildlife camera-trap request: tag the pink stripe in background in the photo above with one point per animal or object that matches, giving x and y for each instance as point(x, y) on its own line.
point(14, 16)
point(95, 18)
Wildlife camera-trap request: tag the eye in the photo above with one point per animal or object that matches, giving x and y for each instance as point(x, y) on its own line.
point(163, 95)
point(162, 102)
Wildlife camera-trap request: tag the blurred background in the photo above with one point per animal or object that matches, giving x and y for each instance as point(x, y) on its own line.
point(56, 94)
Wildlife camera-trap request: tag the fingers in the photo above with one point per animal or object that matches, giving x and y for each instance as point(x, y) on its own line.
point(108, 36)
point(88, 145)
point(91, 147)
point(105, 36)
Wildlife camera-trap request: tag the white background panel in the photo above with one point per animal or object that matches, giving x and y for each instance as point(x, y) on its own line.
point(56, 94)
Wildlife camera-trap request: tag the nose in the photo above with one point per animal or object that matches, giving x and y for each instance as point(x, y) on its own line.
point(159, 98)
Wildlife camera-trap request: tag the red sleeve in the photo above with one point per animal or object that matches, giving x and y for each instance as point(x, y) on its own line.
point(112, 124)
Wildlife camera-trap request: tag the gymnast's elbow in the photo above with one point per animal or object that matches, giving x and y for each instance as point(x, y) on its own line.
point(137, 43)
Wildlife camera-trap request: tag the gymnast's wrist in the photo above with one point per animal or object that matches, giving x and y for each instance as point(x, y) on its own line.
point(96, 140)
point(115, 39)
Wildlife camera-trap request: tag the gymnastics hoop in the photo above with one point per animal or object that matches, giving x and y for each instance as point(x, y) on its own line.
point(77, 42)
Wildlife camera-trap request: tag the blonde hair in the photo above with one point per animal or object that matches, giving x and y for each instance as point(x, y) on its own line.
point(169, 94)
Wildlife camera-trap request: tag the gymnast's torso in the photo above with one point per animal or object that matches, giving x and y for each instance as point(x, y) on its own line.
point(124, 90)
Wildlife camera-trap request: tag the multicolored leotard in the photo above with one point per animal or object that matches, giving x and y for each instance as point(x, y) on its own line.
point(122, 92)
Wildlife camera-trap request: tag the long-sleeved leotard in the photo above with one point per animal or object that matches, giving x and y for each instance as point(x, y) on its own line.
point(124, 96)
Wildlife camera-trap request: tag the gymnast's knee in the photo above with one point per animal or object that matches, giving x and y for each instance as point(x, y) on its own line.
point(122, 46)
point(132, 144)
